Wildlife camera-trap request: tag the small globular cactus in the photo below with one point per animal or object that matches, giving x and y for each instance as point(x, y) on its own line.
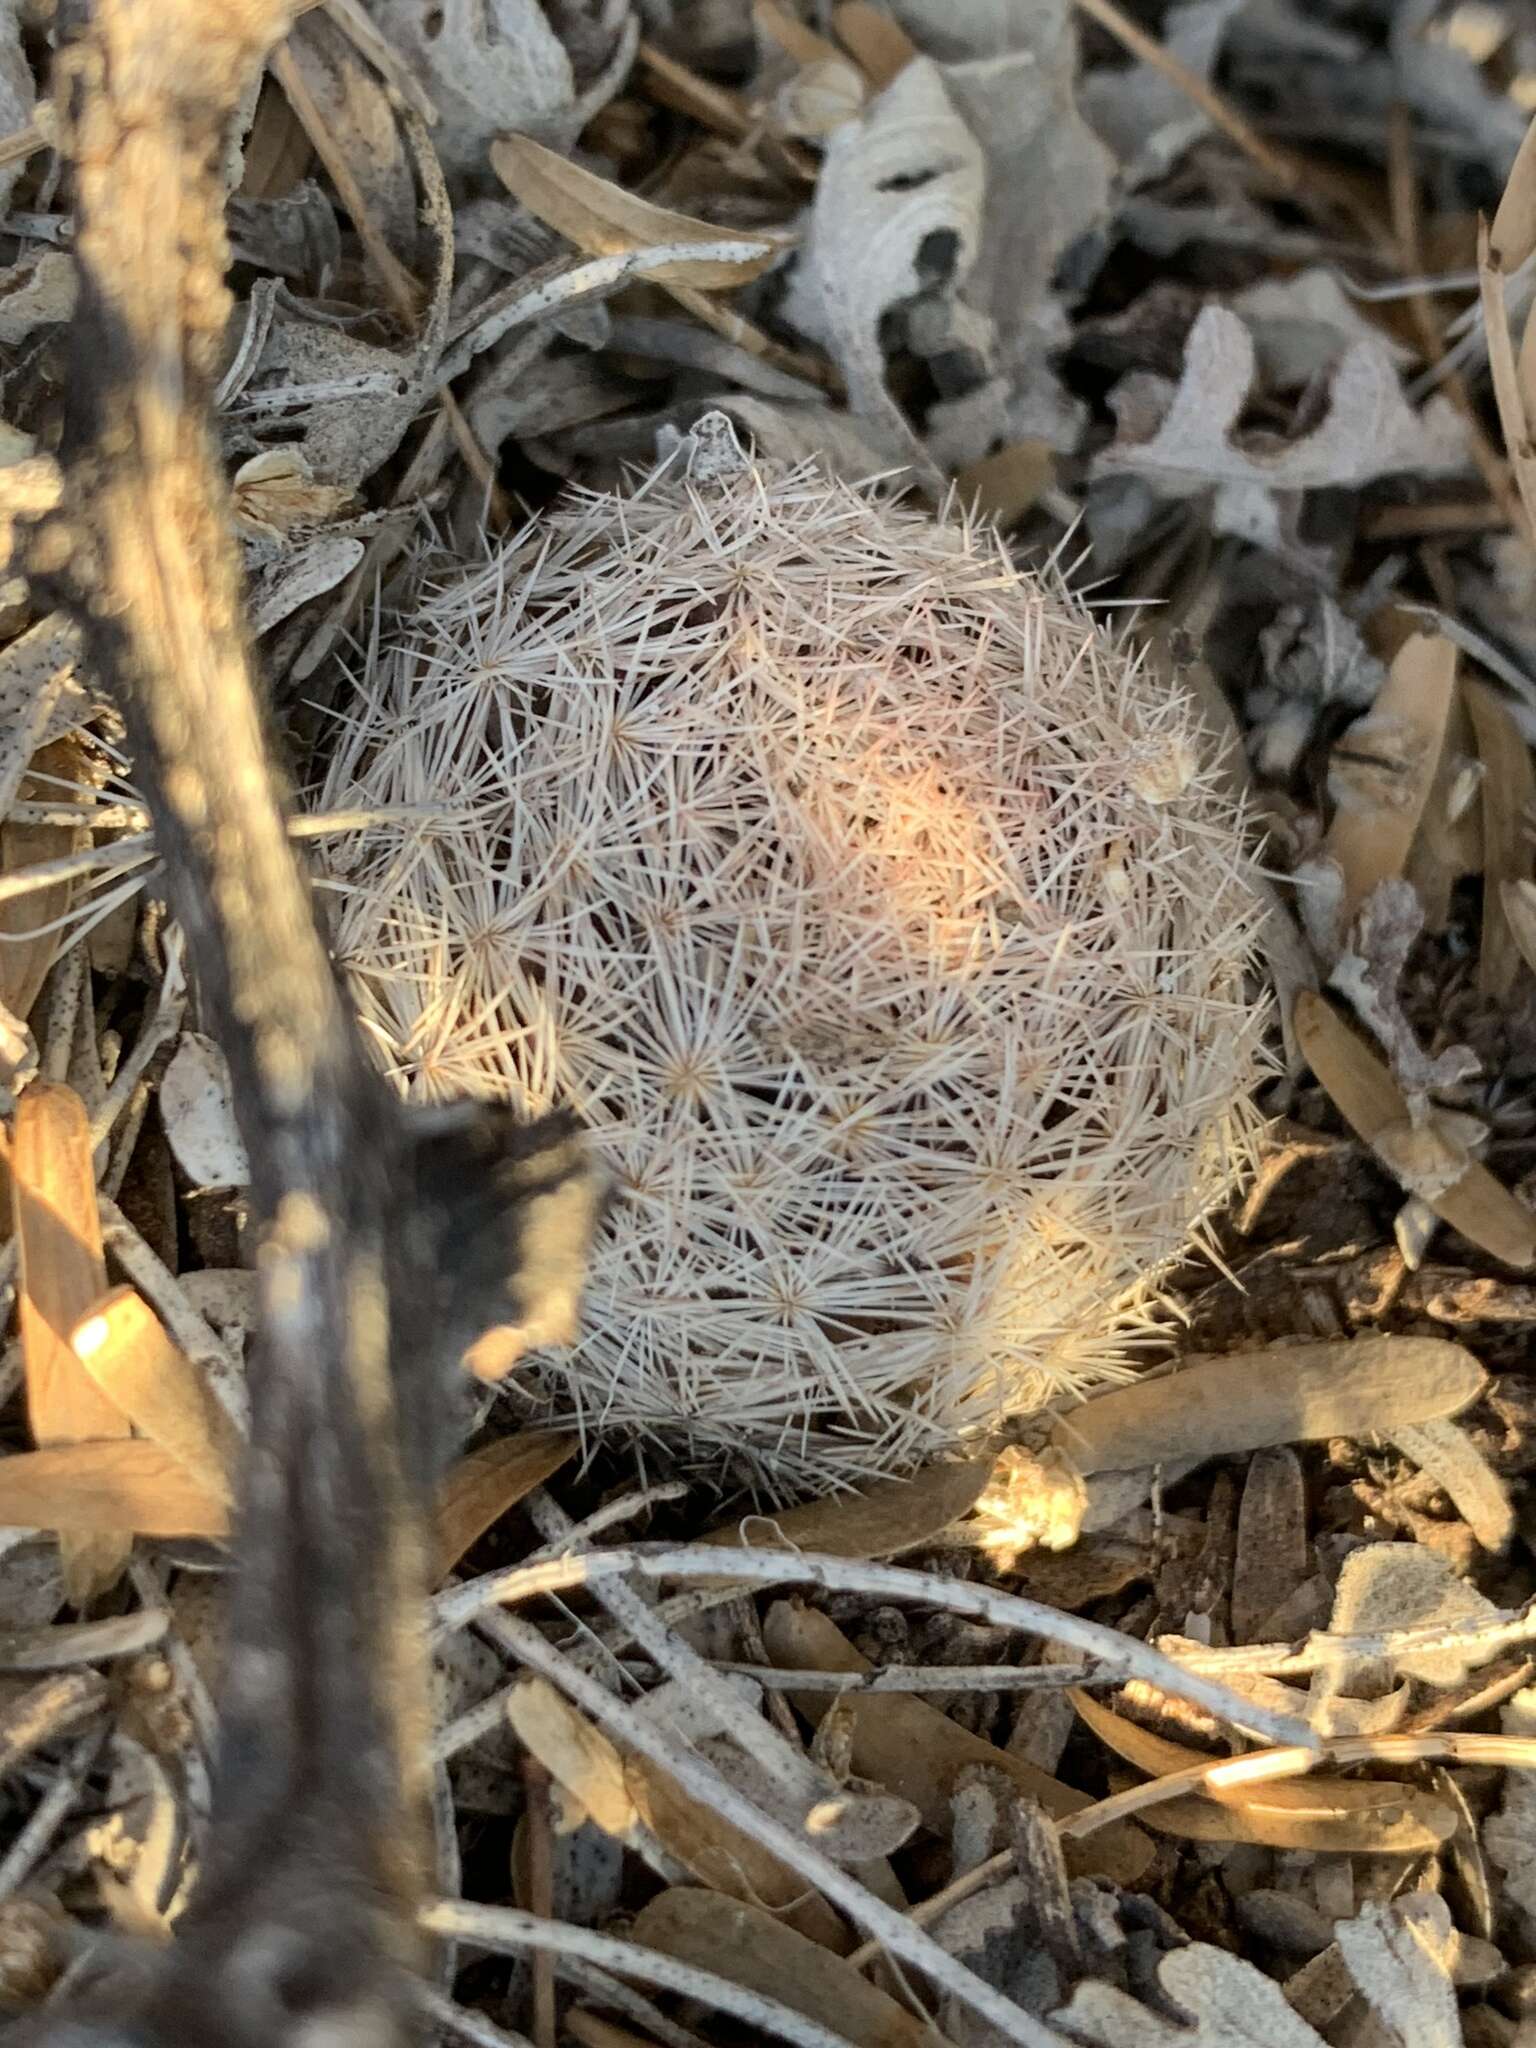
point(880, 914)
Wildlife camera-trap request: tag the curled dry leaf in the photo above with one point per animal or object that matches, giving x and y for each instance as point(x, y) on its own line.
point(275, 495)
point(885, 1518)
point(754, 1948)
point(63, 1275)
point(1327, 1815)
point(897, 210)
point(605, 220)
point(1279, 1394)
point(1371, 1102)
point(1369, 429)
point(917, 1752)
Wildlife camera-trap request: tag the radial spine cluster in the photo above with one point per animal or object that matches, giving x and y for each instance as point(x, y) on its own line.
point(882, 917)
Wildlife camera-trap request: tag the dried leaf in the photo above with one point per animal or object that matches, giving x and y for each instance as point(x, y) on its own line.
point(1369, 429)
point(1508, 788)
point(897, 210)
point(1004, 486)
point(1229, 2004)
point(886, 1518)
point(274, 495)
point(750, 1947)
point(487, 1484)
point(63, 1274)
point(39, 697)
point(1396, 1954)
point(722, 1856)
point(605, 220)
point(1142, 113)
point(125, 1348)
point(577, 1755)
point(1279, 1394)
point(918, 1753)
point(1271, 1558)
point(1385, 1587)
point(880, 46)
point(1381, 771)
point(1448, 1456)
point(1322, 1814)
point(25, 961)
point(39, 292)
point(1508, 385)
point(94, 1491)
point(1371, 1102)
point(1513, 234)
point(198, 1114)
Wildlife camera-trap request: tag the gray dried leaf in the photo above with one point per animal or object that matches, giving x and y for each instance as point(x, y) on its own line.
point(897, 212)
point(1303, 323)
point(1389, 1586)
point(1139, 113)
point(1509, 1836)
point(295, 237)
point(1368, 430)
point(991, 1933)
point(197, 1111)
point(1399, 1955)
point(498, 67)
point(40, 697)
point(308, 571)
point(1448, 1456)
point(1230, 2005)
point(812, 433)
point(18, 91)
point(37, 292)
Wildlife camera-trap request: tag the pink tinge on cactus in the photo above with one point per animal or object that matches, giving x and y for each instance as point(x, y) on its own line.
point(882, 917)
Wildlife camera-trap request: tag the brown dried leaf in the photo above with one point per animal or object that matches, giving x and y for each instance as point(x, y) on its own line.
point(1508, 786)
point(24, 962)
point(1383, 768)
point(726, 1859)
point(96, 1490)
point(1513, 234)
point(917, 1752)
point(1278, 1394)
point(1002, 487)
point(744, 1943)
point(1371, 1102)
point(878, 45)
point(605, 220)
point(888, 1517)
point(1508, 389)
point(63, 1274)
point(577, 1755)
point(792, 36)
point(152, 1383)
point(487, 1484)
point(1271, 1556)
point(1316, 1813)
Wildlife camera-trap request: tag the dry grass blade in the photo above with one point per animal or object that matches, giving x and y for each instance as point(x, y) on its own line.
point(1324, 1815)
point(792, 36)
point(93, 1491)
point(605, 220)
point(63, 1275)
point(884, 1519)
point(151, 1382)
point(759, 1951)
point(1278, 1394)
point(487, 1484)
point(1508, 787)
point(1371, 1102)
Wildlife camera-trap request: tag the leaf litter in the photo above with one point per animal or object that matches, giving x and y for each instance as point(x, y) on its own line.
point(1148, 287)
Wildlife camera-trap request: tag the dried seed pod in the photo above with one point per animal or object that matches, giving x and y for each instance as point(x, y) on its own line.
point(874, 908)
